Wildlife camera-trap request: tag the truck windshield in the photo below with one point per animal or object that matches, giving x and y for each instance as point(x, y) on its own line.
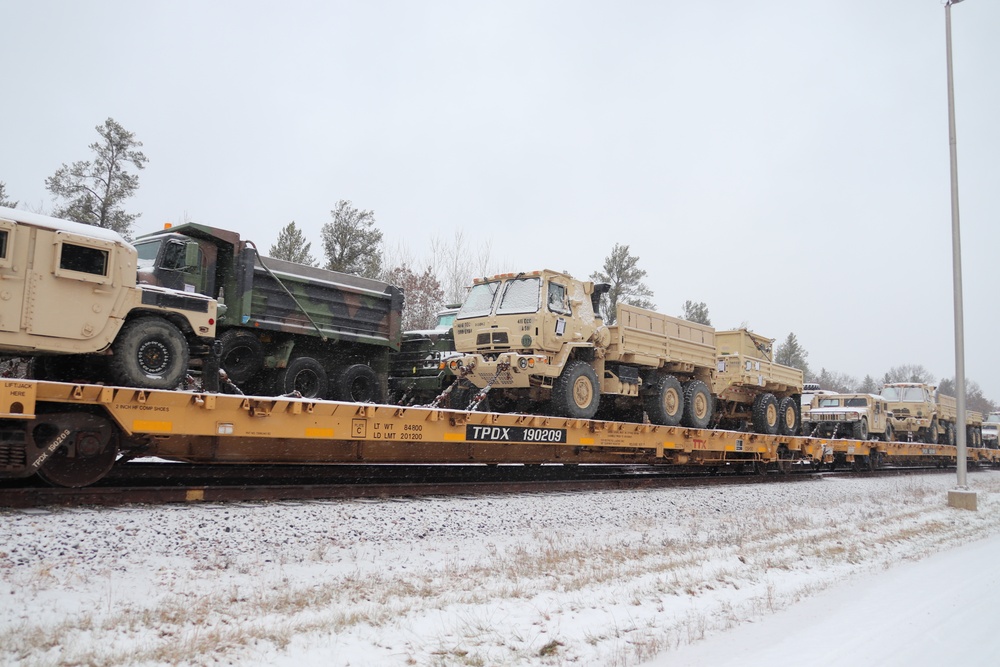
point(147, 253)
point(904, 394)
point(479, 302)
point(993, 419)
point(520, 296)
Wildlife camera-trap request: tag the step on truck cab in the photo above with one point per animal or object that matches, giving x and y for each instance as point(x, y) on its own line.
point(287, 327)
point(71, 299)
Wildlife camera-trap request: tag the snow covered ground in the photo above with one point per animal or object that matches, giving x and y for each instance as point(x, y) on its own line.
point(764, 574)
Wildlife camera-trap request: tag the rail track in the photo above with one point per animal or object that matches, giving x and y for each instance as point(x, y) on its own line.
point(161, 483)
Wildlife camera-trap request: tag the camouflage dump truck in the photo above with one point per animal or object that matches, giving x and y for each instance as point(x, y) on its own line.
point(991, 431)
point(287, 327)
point(538, 341)
point(70, 298)
point(418, 373)
point(920, 412)
point(857, 416)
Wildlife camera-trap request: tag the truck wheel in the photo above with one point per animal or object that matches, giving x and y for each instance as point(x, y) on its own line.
point(304, 375)
point(697, 405)
point(665, 402)
point(949, 434)
point(150, 353)
point(765, 414)
point(789, 418)
point(242, 355)
point(357, 383)
point(576, 393)
point(859, 431)
point(931, 435)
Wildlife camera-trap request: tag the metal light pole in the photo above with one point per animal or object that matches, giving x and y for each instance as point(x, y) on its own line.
point(959, 499)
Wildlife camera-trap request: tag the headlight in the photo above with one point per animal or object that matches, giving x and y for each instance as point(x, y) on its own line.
point(522, 363)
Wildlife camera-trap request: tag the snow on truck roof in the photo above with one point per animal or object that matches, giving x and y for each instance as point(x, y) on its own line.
point(38, 220)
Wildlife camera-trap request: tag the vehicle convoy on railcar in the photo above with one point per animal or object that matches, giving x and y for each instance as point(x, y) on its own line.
point(565, 387)
point(538, 342)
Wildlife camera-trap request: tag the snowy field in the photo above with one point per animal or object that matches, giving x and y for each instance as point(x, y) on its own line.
point(611, 578)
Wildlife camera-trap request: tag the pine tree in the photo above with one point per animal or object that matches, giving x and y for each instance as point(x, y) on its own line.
point(94, 190)
point(625, 278)
point(696, 312)
point(292, 246)
point(352, 242)
point(3, 197)
point(790, 353)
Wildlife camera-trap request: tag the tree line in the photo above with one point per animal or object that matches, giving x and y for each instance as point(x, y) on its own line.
point(93, 191)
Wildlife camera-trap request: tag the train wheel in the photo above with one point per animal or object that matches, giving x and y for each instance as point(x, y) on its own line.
point(576, 392)
point(665, 402)
point(85, 446)
point(697, 405)
point(765, 414)
point(242, 355)
point(789, 418)
point(304, 375)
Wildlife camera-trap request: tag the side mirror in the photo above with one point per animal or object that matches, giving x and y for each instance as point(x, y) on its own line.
point(192, 255)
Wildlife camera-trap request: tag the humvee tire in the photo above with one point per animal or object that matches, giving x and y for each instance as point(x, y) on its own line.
point(149, 352)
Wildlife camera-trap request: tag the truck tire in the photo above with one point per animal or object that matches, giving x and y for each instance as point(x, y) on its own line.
point(242, 355)
point(789, 417)
point(949, 434)
point(765, 414)
point(357, 383)
point(931, 434)
point(697, 405)
point(859, 430)
point(665, 402)
point(576, 393)
point(151, 353)
point(304, 375)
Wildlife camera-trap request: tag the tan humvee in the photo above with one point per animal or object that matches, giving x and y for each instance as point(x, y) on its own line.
point(857, 416)
point(70, 289)
point(538, 341)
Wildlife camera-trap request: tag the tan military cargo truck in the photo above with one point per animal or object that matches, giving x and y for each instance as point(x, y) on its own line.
point(538, 342)
point(921, 412)
point(69, 297)
point(857, 416)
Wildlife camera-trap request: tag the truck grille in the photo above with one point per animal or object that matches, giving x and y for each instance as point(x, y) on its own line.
point(492, 339)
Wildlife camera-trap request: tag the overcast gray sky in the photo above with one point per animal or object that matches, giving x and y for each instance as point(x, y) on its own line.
point(785, 162)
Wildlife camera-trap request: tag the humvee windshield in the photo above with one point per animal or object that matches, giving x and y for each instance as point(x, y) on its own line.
point(856, 403)
point(829, 402)
point(993, 419)
point(904, 394)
